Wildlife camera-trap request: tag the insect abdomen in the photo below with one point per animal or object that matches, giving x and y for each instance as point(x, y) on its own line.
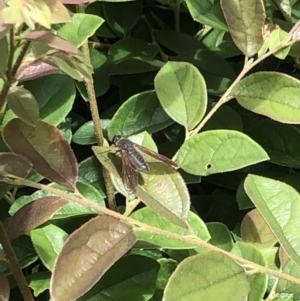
point(138, 160)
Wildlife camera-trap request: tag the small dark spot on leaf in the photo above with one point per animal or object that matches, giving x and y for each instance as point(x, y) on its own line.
point(208, 166)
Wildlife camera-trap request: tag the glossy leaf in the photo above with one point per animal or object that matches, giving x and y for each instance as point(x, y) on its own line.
point(100, 76)
point(207, 12)
point(270, 94)
point(225, 118)
point(150, 240)
point(130, 278)
point(48, 242)
point(118, 18)
point(39, 282)
point(245, 20)
point(255, 230)
point(45, 147)
point(162, 189)
point(23, 104)
point(126, 48)
point(134, 65)
point(181, 91)
point(90, 171)
point(213, 273)
point(141, 112)
point(276, 37)
point(85, 135)
point(278, 203)
point(258, 281)
point(24, 252)
point(87, 254)
point(276, 138)
point(32, 215)
point(81, 27)
point(219, 151)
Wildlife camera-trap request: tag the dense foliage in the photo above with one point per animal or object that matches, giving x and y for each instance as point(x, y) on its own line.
point(212, 85)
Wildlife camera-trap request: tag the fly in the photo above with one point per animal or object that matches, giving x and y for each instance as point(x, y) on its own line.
point(133, 161)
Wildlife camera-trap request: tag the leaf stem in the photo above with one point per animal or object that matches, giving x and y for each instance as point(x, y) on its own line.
point(89, 84)
point(139, 226)
point(14, 265)
point(246, 68)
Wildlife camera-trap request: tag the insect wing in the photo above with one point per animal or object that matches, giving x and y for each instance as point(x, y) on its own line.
point(156, 155)
point(130, 174)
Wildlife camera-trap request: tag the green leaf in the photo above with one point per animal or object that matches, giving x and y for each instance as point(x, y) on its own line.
point(276, 37)
point(55, 95)
point(258, 281)
point(270, 94)
point(181, 91)
point(219, 151)
point(81, 27)
point(126, 48)
point(216, 41)
point(39, 282)
point(213, 273)
point(142, 112)
point(279, 204)
point(167, 267)
point(48, 242)
point(121, 17)
point(208, 13)
point(220, 236)
point(85, 135)
point(100, 76)
point(162, 189)
point(24, 252)
point(134, 65)
point(90, 171)
point(276, 138)
point(226, 118)
point(120, 281)
point(150, 240)
point(245, 20)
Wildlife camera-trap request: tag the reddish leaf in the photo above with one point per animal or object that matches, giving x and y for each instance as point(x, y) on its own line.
point(87, 254)
point(32, 215)
point(255, 230)
point(4, 288)
point(12, 164)
point(46, 148)
point(51, 40)
point(23, 104)
point(29, 71)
